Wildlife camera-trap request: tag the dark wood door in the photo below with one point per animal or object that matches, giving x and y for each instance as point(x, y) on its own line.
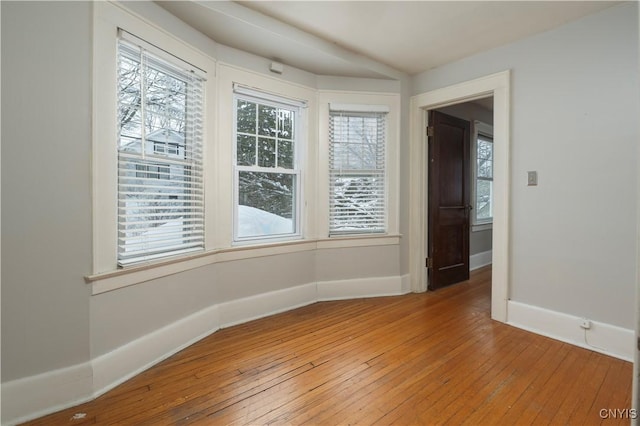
point(449, 200)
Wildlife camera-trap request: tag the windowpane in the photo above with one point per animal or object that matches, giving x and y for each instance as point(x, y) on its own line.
point(356, 144)
point(285, 124)
point(165, 101)
point(485, 148)
point(246, 150)
point(266, 204)
point(285, 154)
point(129, 102)
point(484, 191)
point(246, 114)
point(485, 158)
point(267, 121)
point(266, 152)
point(485, 168)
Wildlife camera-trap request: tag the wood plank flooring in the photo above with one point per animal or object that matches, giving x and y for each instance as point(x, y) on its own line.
point(434, 358)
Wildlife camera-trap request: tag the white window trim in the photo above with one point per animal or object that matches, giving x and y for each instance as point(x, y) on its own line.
point(376, 102)
point(232, 79)
point(109, 18)
point(479, 128)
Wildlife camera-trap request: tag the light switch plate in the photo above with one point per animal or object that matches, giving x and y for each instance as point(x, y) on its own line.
point(532, 178)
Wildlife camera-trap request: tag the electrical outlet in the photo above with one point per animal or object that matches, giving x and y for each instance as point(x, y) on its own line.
point(585, 323)
point(532, 178)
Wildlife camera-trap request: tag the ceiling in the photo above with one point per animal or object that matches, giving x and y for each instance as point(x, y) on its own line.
point(387, 37)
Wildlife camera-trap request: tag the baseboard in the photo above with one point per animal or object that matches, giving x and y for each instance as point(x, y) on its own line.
point(360, 287)
point(479, 260)
point(119, 365)
point(36, 396)
point(32, 397)
point(262, 305)
point(405, 284)
point(601, 337)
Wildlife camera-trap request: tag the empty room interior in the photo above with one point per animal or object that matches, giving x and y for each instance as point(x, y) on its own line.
point(288, 212)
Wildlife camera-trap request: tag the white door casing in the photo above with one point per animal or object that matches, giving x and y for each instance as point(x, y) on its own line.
point(497, 85)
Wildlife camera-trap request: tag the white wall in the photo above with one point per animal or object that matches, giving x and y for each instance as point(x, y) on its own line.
point(574, 108)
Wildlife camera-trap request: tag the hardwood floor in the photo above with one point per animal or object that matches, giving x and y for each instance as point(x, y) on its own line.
point(434, 358)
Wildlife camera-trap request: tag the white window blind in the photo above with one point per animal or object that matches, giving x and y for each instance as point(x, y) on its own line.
point(357, 184)
point(160, 184)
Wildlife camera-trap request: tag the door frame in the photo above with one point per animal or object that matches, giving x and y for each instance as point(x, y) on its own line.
point(499, 86)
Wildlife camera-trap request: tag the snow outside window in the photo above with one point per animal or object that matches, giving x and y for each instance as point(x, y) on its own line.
point(267, 172)
point(357, 199)
point(160, 185)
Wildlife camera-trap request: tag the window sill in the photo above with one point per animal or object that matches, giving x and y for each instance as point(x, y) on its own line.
point(113, 280)
point(482, 227)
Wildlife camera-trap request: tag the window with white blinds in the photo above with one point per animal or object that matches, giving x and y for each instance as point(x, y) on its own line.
point(357, 198)
point(483, 174)
point(160, 180)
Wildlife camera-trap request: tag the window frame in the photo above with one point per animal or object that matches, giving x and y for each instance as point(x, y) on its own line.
point(110, 21)
point(372, 101)
point(259, 97)
point(360, 111)
point(230, 78)
point(176, 203)
point(479, 129)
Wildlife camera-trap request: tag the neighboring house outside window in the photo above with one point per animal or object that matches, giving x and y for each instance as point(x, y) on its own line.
point(483, 174)
point(267, 166)
point(152, 171)
point(357, 170)
point(160, 184)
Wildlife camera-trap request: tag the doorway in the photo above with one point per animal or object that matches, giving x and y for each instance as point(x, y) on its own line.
point(460, 187)
point(497, 85)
